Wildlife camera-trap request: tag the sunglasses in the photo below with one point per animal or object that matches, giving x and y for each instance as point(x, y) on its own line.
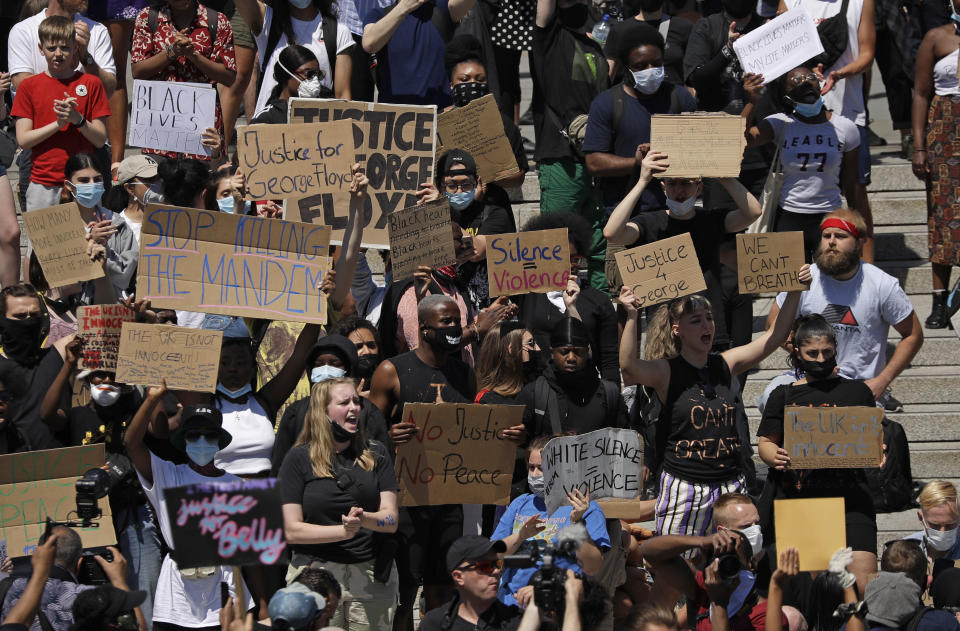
point(800, 80)
point(312, 74)
point(483, 567)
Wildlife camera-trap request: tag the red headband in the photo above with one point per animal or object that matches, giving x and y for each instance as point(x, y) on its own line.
point(843, 224)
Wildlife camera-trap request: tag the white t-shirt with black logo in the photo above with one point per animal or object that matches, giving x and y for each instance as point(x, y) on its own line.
point(861, 311)
point(811, 155)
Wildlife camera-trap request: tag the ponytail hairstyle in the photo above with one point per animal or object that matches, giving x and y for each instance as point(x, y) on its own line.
point(661, 342)
point(291, 58)
point(807, 328)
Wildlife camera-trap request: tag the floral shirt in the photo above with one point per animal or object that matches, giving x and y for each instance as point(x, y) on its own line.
point(146, 44)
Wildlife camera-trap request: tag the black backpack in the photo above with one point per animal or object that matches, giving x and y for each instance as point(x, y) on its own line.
point(545, 403)
point(892, 486)
point(834, 37)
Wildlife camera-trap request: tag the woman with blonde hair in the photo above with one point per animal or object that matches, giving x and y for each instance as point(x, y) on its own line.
point(338, 491)
point(700, 445)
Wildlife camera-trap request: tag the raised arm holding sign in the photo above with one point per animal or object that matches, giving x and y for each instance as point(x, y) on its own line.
point(699, 145)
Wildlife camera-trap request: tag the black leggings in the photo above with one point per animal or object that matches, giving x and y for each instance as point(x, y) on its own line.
point(808, 223)
point(508, 74)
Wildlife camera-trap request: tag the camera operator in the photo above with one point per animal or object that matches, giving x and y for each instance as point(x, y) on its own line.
point(62, 587)
point(727, 585)
point(104, 420)
point(475, 569)
point(585, 606)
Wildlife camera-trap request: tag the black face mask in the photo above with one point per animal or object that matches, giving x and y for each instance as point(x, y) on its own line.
point(818, 370)
point(340, 434)
point(445, 338)
point(365, 367)
point(533, 366)
point(573, 17)
point(22, 338)
point(464, 93)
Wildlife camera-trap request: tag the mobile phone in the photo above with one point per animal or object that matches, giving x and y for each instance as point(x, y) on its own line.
point(583, 276)
point(467, 241)
point(224, 594)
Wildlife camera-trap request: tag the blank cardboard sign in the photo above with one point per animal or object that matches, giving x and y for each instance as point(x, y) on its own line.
point(816, 527)
point(833, 437)
point(662, 270)
point(699, 145)
point(769, 262)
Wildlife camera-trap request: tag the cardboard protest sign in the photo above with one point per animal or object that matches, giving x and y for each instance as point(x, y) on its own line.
point(40, 484)
point(458, 455)
point(662, 270)
point(770, 262)
point(699, 145)
point(397, 153)
point(780, 45)
point(282, 161)
point(187, 358)
point(215, 262)
point(226, 523)
point(606, 462)
point(421, 235)
point(170, 116)
point(522, 262)
point(59, 240)
point(833, 437)
point(815, 527)
point(99, 328)
point(477, 128)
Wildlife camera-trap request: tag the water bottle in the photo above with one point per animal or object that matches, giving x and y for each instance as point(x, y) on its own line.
point(601, 30)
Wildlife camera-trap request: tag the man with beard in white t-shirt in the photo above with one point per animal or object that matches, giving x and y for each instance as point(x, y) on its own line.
point(861, 302)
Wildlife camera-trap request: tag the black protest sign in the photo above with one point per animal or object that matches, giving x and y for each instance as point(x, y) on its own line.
point(226, 523)
point(397, 153)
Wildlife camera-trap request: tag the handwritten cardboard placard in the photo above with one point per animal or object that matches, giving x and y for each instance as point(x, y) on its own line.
point(170, 116)
point(40, 484)
point(215, 262)
point(59, 239)
point(815, 527)
point(780, 45)
point(187, 358)
point(282, 161)
point(477, 128)
point(607, 462)
point(226, 523)
point(397, 153)
point(421, 235)
point(662, 270)
point(770, 262)
point(458, 455)
point(833, 437)
point(699, 145)
point(523, 262)
point(99, 328)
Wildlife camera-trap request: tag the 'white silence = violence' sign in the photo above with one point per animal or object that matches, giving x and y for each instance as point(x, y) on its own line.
point(780, 45)
point(606, 461)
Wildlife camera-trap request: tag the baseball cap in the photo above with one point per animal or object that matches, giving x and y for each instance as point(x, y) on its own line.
point(107, 602)
point(463, 161)
point(136, 166)
point(199, 417)
point(295, 605)
point(892, 598)
point(471, 547)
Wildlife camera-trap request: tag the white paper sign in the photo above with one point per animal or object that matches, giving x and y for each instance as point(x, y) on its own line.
point(606, 461)
point(780, 45)
point(170, 116)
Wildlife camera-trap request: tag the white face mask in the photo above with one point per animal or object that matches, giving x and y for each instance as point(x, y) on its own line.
point(104, 394)
point(939, 540)
point(310, 89)
point(755, 537)
point(648, 81)
point(681, 209)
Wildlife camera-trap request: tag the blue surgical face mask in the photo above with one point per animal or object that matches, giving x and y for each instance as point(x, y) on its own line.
point(808, 110)
point(88, 195)
point(955, 16)
point(202, 450)
point(301, 4)
point(233, 394)
point(226, 204)
point(322, 373)
point(459, 201)
point(648, 81)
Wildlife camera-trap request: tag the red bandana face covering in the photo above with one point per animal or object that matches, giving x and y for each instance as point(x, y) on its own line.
point(447, 270)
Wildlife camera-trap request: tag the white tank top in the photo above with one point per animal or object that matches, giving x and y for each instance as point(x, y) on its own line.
point(252, 445)
point(945, 75)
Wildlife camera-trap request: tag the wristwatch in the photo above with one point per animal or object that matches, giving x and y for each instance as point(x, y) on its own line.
point(82, 122)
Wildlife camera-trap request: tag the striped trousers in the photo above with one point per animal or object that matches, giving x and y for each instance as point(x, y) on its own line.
point(686, 508)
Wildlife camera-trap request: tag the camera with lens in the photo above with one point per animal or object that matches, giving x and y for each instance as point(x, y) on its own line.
point(90, 572)
point(549, 592)
point(729, 566)
point(94, 484)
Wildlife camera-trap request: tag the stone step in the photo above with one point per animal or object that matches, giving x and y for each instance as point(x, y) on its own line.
point(925, 464)
point(896, 175)
point(899, 208)
point(925, 424)
point(901, 242)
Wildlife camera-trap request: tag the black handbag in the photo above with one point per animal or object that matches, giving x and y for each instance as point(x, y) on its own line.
point(834, 37)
